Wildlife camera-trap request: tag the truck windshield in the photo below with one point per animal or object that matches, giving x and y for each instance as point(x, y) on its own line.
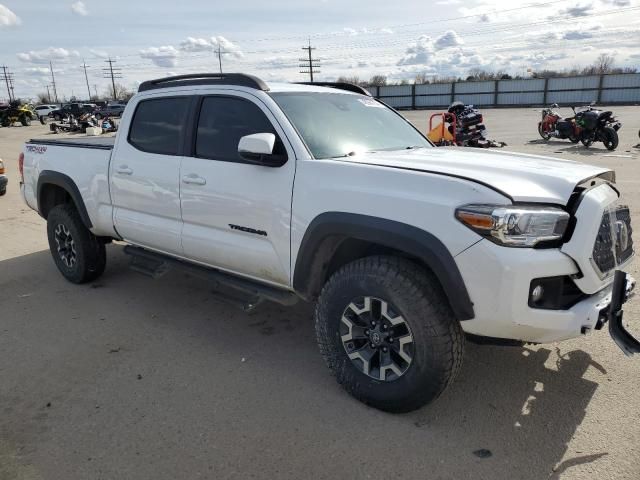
point(337, 124)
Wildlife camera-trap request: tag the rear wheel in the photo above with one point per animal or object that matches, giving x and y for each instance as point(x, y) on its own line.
point(25, 120)
point(610, 138)
point(3, 191)
point(79, 255)
point(387, 333)
point(573, 138)
point(586, 139)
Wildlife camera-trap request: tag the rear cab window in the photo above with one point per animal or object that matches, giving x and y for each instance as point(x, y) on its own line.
point(158, 125)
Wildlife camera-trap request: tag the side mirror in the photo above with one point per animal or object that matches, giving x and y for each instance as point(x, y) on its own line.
point(258, 150)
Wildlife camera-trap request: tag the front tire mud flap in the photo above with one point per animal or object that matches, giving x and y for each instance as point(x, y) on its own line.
point(622, 290)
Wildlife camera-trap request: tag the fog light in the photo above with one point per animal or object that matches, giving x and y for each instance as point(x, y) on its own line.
point(536, 294)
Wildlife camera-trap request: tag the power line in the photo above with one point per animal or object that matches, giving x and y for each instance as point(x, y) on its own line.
point(8, 79)
point(309, 65)
point(113, 73)
point(53, 82)
point(84, 65)
point(220, 52)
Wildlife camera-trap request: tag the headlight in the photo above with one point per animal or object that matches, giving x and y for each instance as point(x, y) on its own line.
point(515, 225)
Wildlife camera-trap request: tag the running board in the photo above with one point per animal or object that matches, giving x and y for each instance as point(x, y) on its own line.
point(242, 292)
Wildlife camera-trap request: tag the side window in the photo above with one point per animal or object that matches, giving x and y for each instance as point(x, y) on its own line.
point(223, 121)
point(158, 125)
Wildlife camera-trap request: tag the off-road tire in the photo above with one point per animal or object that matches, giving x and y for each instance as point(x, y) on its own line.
point(3, 191)
point(25, 120)
point(438, 340)
point(610, 138)
point(98, 116)
point(90, 252)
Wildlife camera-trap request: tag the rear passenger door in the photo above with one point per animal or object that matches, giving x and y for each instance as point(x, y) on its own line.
point(145, 173)
point(236, 216)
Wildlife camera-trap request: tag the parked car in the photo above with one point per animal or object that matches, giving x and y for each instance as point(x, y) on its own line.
point(45, 110)
point(75, 109)
point(284, 192)
point(3, 179)
point(112, 110)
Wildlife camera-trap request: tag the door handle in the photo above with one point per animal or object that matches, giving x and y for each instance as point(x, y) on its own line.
point(194, 179)
point(124, 170)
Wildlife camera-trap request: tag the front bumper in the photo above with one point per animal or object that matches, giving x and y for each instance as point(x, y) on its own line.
point(498, 280)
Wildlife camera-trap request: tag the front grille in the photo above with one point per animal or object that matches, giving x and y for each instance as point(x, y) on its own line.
point(613, 245)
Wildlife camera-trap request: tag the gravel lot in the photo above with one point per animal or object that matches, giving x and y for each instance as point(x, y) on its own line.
point(130, 378)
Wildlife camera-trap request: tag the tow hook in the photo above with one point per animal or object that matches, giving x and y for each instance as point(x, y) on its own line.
point(622, 290)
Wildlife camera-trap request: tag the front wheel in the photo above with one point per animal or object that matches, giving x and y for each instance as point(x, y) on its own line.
point(387, 333)
point(609, 138)
point(545, 135)
point(25, 120)
point(79, 255)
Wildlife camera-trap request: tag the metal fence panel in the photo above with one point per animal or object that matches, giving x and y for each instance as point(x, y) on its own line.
point(577, 96)
point(574, 83)
point(626, 95)
point(433, 101)
point(475, 87)
point(525, 98)
point(432, 88)
point(395, 90)
point(622, 80)
point(535, 84)
point(475, 98)
point(397, 102)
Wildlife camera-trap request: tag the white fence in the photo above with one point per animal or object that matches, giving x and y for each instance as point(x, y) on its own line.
point(622, 89)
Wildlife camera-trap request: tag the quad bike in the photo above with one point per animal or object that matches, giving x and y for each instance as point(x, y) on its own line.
point(16, 112)
point(597, 126)
point(461, 125)
point(553, 125)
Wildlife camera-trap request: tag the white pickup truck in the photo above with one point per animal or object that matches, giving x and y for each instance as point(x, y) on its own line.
point(322, 193)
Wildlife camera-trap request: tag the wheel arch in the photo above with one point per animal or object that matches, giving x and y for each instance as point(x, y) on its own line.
point(335, 238)
point(55, 188)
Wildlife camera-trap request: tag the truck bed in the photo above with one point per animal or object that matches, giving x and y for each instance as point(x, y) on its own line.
point(100, 142)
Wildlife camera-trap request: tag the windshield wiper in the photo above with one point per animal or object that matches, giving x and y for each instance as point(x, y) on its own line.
point(344, 155)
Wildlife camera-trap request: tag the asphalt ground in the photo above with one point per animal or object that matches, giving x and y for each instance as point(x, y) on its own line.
point(132, 378)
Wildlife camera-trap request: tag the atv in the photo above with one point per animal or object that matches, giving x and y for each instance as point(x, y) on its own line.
point(16, 112)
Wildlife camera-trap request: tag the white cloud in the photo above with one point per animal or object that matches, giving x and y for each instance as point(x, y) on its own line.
point(166, 56)
point(8, 18)
point(46, 55)
point(38, 71)
point(229, 49)
point(79, 8)
point(418, 52)
point(448, 39)
point(192, 44)
point(278, 62)
point(578, 10)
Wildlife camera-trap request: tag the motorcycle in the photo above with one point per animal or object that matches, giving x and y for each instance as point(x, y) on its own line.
point(553, 125)
point(597, 126)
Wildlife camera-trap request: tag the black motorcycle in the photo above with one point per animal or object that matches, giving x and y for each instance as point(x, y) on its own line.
point(597, 126)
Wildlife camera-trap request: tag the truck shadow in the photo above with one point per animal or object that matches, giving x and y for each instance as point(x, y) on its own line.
point(517, 408)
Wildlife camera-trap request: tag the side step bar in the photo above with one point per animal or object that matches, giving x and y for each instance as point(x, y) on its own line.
point(245, 293)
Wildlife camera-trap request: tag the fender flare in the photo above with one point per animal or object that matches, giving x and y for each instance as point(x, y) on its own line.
point(49, 177)
point(317, 248)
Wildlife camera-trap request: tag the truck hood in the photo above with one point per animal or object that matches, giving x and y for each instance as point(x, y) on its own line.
point(522, 177)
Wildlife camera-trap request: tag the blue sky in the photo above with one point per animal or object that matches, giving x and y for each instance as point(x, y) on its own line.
point(399, 39)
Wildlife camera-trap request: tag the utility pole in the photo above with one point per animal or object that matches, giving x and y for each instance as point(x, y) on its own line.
point(309, 65)
point(84, 65)
point(113, 73)
point(53, 82)
point(95, 89)
point(48, 94)
point(220, 52)
point(8, 79)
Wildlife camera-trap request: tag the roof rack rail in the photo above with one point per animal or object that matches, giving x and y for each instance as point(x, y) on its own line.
point(239, 79)
point(350, 87)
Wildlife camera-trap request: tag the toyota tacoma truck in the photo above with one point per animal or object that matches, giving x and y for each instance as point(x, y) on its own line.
point(322, 193)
